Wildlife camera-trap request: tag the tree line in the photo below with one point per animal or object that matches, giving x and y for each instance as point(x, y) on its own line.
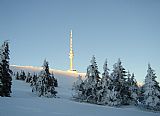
point(118, 88)
point(42, 84)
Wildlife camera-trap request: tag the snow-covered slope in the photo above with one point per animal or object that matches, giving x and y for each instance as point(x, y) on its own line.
point(24, 103)
point(32, 69)
point(65, 78)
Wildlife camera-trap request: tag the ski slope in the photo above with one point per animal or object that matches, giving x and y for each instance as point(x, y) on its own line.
point(24, 103)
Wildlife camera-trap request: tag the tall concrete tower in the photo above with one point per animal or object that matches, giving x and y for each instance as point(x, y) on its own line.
point(71, 53)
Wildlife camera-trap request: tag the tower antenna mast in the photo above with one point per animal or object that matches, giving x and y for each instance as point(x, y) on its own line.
point(71, 53)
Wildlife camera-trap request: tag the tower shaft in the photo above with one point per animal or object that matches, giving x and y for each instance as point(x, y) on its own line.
point(71, 53)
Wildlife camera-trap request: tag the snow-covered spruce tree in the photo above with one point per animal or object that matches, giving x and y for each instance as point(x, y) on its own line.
point(33, 82)
point(133, 88)
point(91, 83)
point(119, 94)
point(45, 83)
point(28, 78)
point(54, 80)
point(5, 72)
point(104, 91)
point(1, 84)
point(39, 86)
point(22, 75)
point(17, 76)
point(151, 91)
point(78, 89)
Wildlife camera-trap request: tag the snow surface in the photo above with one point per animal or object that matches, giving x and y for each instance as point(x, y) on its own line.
point(24, 103)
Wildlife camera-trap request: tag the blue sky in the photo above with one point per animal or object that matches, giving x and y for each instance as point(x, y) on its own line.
point(112, 29)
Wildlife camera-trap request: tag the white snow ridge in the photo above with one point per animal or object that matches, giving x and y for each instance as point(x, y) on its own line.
point(24, 103)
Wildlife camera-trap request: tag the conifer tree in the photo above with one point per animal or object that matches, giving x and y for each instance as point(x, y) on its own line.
point(133, 88)
point(78, 88)
point(91, 82)
point(151, 90)
point(104, 85)
point(33, 82)
point(45, 83)
point(5, 72)
point(22, 75)
point(17, 76)
point(1, 84)
point(54, 80)
point(119, 90)
point(28, 78)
